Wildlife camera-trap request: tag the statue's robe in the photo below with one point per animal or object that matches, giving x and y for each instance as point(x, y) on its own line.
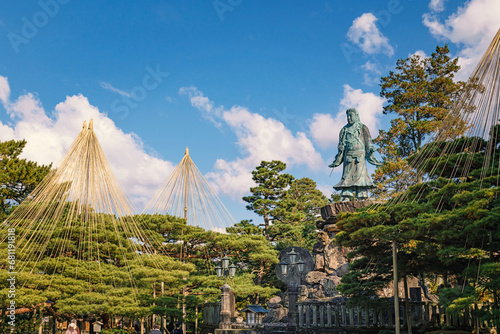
point(355, 148)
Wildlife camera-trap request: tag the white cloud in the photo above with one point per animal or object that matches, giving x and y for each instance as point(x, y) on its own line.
point(232, 178)
point(4, 89)
point(474, 25)
point(372, 73)
point(108, 86)
point(266, 138)
point(437, 5)
point(419, 53)
point(365, 34)
point(324, 128)
point(259, 138)
point(371, 67)
point(203, 104)
point(48, 138)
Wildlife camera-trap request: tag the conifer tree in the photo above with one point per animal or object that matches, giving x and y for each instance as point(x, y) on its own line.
point(18, 177)
point(420, 92)
point(271, 187)
point(296, 215)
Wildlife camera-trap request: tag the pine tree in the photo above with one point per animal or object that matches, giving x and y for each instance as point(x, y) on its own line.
point(296, 214)
point(421, 91)
point(271, 187)
point(18, 177)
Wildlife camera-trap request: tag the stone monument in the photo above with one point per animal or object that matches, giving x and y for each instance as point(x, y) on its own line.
point(330, 260)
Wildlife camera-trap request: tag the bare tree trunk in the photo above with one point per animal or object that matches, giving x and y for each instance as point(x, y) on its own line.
point(196, 320)
point(266, 226)
point(396, 292)
point(408, 314)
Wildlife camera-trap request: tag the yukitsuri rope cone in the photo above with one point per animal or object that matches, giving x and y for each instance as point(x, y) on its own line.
point(187, 194)
point(78, 224)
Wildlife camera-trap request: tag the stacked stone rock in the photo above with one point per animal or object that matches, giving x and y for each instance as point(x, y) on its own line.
point(330, 259)
point(277, 312)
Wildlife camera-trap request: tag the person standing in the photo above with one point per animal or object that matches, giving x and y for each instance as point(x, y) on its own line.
point(178, 329)
point(73, 328)
point(156, 329)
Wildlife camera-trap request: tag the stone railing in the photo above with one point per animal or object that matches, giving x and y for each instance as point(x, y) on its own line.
point(316, 314)
point(330, 317)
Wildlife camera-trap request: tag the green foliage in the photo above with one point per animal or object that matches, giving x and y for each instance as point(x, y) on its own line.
point(245, 227)
point(462, 155)
point(25, 323)
point(457, 299)
point(245, 245)
point(420, 92)
point(271, 185)
point(92, 285)
point(291, 211)
point(245, 288)
point(289, 208)
point(18, 177)
point(296, 214)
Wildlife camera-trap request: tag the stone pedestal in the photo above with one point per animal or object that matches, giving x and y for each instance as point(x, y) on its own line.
point(329, 212)
point(293, 294)
point(330, 260)
point(226, 307)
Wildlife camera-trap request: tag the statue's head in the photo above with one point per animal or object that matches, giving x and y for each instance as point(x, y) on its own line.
point(352, 115)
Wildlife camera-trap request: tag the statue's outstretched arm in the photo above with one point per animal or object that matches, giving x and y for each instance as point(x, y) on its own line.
point(338, 160)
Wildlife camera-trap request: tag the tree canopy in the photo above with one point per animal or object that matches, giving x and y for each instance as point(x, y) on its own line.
point(420, 92)
point(271, 185)
point(18, 177)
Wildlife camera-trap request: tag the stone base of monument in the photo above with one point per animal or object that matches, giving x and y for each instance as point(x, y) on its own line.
point(330, 259)
point(330, 212)
point(320, 286)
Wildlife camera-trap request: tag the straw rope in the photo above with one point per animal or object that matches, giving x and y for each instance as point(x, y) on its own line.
point(80, 200)
point(187, 194)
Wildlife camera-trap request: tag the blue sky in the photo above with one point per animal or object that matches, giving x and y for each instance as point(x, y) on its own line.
point(237, 81)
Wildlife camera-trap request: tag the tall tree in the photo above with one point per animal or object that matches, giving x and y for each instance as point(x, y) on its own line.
point(420, 92)
point(271, 187)
point(18, 177)
point(296, 214)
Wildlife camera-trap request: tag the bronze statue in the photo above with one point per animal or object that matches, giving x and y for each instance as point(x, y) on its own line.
point(355, 148)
